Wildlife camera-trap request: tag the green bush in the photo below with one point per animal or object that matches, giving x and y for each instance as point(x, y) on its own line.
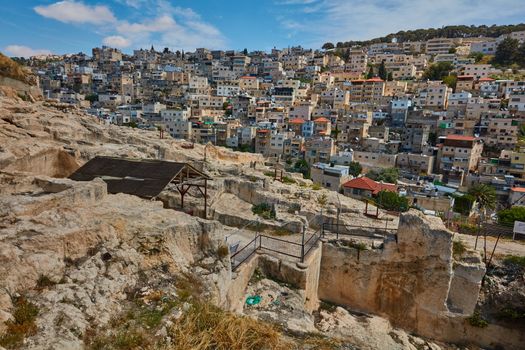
point(508, 216)
point(515, 260)
point(264, 210)
point(288, 180)
point(316, 187)
point(458, 248)
point(22, 325)
point(389, 175)
point(467, 228)
point(463, 204)
point(477, 321)
point(392, 201)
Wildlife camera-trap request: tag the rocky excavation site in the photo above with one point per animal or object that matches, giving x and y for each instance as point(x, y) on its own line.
point(84, 268)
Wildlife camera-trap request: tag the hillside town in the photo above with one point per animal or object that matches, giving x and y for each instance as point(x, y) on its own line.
point(424, 119)
point(160, 191)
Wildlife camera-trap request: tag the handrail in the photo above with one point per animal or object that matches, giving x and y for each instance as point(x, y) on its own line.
point(280, 240)
point(247, 244)
point(359, 226)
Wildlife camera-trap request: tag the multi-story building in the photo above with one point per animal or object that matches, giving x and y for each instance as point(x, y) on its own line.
point(330, 176)
point(439, 45)
point(459, 152)
point(319, 149)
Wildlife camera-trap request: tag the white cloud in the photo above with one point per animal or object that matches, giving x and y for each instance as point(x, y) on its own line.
point(177, 28)
point(162, 24)
point(70, 11)
point(25, 51)
point(116, 41)
point(344, 20)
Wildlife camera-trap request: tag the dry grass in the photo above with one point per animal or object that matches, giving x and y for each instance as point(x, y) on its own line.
point(206, 327)
point(11, 69)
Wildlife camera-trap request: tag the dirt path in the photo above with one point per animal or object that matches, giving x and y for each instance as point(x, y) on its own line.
point(505, 246)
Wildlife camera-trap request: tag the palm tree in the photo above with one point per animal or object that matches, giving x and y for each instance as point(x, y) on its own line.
point(485, 196)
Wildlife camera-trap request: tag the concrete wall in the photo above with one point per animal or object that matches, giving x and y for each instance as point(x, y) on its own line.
point(406, 282)
point(302, 276)
point(237, 289)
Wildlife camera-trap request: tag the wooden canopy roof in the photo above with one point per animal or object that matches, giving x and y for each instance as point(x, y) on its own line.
point(145, 178)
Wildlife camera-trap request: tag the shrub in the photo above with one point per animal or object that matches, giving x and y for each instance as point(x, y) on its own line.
point(316, 187)
point(389, 175)
point(288, 180)
point(392, 201)
point(463, 204)
point(508, 216)
point(510, 313)
point(467, 228)
point(458, 248)
point(223, 251)
point(477, 321)
point(44, 282)
point(515, 260)
point(264, 210)
point(22, 325)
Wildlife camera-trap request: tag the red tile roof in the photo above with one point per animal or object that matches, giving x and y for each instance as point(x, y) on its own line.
point(296, 121)
point(461, 138)
point(364, 183)
point(374, 80)
point(321, 120)
point(486, 79)
point(518, 189)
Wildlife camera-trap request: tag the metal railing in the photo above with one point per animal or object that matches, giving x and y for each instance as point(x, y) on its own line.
point(340, 229)
point(244, 253)
point(275, 245)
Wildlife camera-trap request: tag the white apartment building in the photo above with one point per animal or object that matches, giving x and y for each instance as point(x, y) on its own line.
point(478, 71)
point(439, 45)
point(228, 88)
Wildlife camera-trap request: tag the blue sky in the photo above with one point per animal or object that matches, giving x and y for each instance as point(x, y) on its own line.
point(69, 26)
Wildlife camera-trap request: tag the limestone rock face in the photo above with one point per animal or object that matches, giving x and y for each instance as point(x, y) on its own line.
point(46, 139)
point(92, 248)
point(408, 280)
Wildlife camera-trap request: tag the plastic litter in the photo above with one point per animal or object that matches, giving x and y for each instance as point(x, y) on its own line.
point(253, 300)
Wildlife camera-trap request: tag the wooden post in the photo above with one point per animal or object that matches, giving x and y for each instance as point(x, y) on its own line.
point(205, 197)
point(302, 245)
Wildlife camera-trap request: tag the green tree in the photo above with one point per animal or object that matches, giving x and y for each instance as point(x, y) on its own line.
point(370, 74)
point(450, 81)
point(92, 98)
point(485, 196)
point(245, 52)
point(507, 52)
point(382, 71)
point(438, 71)
point(328, 46)
point(391, 201)
point(389, 77)
point(521, 55)
point(390, 175)
point(355, 169)
point(508, 216)
point(477, 56)
point(463, 204)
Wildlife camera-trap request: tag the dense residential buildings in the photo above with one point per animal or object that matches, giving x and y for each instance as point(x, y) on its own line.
point(323, 109)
